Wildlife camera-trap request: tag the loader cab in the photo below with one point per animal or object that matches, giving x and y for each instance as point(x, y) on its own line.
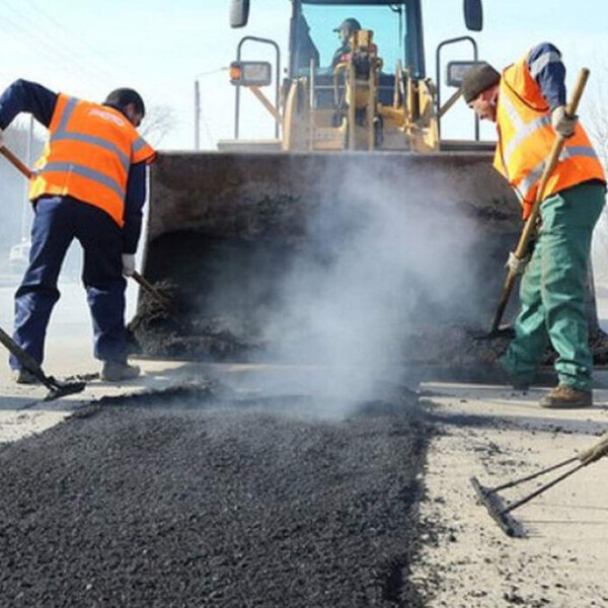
point(398, 107)
point(397, 31)
point(311, 29)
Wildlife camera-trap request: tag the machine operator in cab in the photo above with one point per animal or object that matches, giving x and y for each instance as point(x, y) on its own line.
point(346, 29)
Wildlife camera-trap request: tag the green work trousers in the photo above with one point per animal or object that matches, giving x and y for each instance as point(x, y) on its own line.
point(553, 290)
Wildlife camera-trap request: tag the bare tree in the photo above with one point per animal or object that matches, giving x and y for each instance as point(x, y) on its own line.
point(158, 123)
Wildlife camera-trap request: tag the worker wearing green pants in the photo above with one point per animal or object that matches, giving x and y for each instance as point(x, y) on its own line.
point(528, 104)
point(552, 290)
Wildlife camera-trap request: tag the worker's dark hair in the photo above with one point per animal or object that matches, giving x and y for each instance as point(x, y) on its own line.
point(121, 98)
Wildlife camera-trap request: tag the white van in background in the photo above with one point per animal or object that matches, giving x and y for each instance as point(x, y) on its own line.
point(19, 256)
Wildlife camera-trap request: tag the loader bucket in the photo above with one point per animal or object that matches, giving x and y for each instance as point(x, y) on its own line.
point(264, 252)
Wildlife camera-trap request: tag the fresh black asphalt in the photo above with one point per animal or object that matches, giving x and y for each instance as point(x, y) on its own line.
point(186, 500)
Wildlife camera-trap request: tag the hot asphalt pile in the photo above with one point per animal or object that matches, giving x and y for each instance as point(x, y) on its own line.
point(449, 351)
point(185, 500)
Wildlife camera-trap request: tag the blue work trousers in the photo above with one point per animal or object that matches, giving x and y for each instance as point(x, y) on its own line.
point(58, 220)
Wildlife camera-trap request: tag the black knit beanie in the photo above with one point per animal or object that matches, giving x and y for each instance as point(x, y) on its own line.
point(477, 80)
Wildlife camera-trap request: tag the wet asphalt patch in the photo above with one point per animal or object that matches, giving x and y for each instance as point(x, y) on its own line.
point(184, 500)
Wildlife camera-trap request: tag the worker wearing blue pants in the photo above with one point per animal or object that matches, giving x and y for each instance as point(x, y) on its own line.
point(527, 102)
point(89, 184)
point(57, 222)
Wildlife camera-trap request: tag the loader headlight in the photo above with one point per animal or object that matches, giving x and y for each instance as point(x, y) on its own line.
point(456, 71)
point(251, 73)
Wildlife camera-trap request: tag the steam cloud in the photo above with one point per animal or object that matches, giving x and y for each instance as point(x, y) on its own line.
point(383, 264)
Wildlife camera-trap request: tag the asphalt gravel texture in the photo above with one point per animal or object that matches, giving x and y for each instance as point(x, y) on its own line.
point(188, 500)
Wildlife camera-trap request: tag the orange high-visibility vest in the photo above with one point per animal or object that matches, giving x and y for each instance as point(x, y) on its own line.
point(525, 138)
point(88, 155)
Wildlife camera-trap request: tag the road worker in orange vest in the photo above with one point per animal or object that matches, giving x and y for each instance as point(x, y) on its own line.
point(528, 104)
point(89, 184)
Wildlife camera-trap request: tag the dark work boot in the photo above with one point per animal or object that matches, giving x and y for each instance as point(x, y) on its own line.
point(567, 397)
point(24, 376)
point(116, 371)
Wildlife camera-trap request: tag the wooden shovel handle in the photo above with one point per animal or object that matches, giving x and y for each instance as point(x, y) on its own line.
point(16, 162)
point(156, 295)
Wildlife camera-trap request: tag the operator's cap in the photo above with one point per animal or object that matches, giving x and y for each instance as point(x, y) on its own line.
point(477, 80)
point(352, 25)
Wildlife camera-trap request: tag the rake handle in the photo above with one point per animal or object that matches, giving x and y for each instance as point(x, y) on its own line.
point(516, 482)
point(530, 224)
point(518, 503)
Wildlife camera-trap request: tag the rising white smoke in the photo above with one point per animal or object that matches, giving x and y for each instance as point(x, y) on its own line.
point(383, 263)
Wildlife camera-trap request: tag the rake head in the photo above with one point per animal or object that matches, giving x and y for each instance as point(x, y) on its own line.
point(497, 509)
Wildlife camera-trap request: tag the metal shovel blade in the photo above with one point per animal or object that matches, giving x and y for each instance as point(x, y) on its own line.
point(62, 389)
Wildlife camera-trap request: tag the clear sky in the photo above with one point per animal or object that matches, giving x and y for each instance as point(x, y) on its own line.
point(89, 47)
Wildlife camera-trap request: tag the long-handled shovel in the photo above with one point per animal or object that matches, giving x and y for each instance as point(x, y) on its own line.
point(168, 305)
point(530, 225)
point(501, 512)
point(56, 389)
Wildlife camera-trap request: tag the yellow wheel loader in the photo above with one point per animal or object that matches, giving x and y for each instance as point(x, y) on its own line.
point(356, 232)
point(368, 96)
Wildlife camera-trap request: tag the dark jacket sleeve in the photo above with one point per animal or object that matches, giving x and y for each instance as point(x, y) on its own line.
point(25, 96)
point(340, 52)
point(546, 66)
point(134, 203)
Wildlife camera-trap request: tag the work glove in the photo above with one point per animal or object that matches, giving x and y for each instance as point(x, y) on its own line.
point(128, 264)
point(562, 123)
point(517, 265)
point(596, 452)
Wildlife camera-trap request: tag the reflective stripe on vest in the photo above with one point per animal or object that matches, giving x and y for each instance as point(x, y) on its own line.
point(529, 182)
point(62, 134)
point(88, 156)
point(526, 138)
point(83, 171)
point(523, 130)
